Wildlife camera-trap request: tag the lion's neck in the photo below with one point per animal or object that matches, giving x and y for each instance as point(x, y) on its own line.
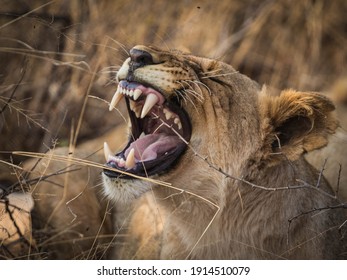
point(216, 227)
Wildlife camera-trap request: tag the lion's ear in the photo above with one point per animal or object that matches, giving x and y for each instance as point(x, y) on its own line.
point(295, 123)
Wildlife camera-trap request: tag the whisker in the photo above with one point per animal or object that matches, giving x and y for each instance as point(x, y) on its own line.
point(198, 95)
point(194, 93)
point(120, 45)
point(205, 86)
point(108, 71)
point(220, 75)
point(111, 67)
point(211, 72)
point(181, 95)
point(186, 97)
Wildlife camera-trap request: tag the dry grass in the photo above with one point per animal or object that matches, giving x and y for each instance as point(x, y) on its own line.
point(56, 55)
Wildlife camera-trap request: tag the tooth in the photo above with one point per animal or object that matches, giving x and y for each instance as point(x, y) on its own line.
point(132, 105)
point(107, 151)
point(151, 100)
point(177, 121)
point(115, 99)
point(137, 93)
point(168, 114)
point(121, 163)
point(137, 111)
point(111, 158)
point(131, 92)
point(130, 161)
point(136, 108)
point(142, 135)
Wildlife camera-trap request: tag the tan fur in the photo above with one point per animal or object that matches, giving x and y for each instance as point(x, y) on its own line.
point(70, 217)
point(240, 136)
point(333, 157)
point(15, 223)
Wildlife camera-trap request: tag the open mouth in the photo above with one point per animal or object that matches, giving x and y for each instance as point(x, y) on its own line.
point(160, 131)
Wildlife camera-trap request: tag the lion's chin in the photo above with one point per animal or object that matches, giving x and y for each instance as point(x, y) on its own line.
point(124, 191)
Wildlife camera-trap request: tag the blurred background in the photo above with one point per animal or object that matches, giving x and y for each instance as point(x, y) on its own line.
point(50, 51)
point(58, 59)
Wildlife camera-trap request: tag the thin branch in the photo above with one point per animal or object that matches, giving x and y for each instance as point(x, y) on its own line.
point(14, 91)
point(313, 210)
point(321, 173)
point(338, 181)
point(26, 14)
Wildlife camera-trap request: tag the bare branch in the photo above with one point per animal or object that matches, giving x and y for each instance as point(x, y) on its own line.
point(321, 173)
point(338, 181)
point(313, 210)
point(14, 90)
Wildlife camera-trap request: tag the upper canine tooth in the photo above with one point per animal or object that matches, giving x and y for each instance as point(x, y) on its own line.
point(115, 99)
point(130, 161)
point(151, 100)
point(107, 151)
point(131, 92)
point(137, 93)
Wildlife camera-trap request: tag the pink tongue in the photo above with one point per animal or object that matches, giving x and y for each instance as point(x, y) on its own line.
point(151, 145)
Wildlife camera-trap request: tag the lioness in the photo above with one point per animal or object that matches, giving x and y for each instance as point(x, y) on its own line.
point(214, 165)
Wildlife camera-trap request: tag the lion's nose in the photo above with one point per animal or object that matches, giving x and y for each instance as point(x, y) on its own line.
point(140, 58)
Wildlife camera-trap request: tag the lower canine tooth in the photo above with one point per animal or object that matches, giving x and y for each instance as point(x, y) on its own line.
point(107, 151)
point(151, 100)
point(115, 99)
point(142, 135)
point(130, 161)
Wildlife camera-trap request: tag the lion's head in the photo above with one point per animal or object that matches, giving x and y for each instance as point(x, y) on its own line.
point(219, 141)
point(181, 106)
